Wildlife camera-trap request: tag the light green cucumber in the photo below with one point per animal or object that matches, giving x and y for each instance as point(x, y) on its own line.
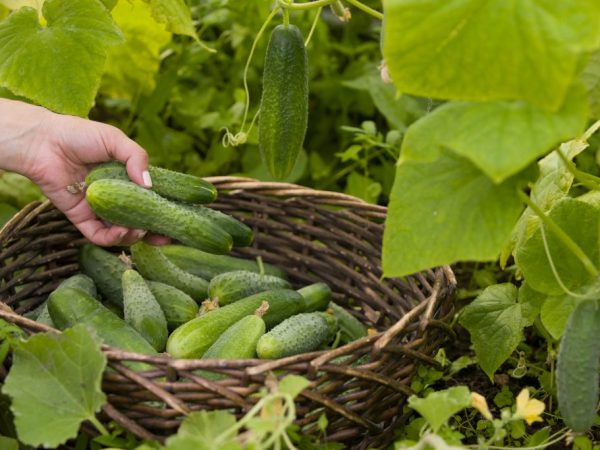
point(128, 204)
point(301, 333)
point(106, 269)
point(169, 184)
point(153, 265)
point(177, 306)
point(317, 296)
point(142, 311)
point(207, 265)
point(192, 339)
point(240, 233)
point(232, 286)
point(351, 329)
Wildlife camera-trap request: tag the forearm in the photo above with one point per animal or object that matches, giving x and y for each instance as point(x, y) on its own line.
point(20, 131)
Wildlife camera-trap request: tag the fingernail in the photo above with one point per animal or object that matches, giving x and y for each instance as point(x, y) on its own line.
point(147, 179)
point(122, 234)
point(141, 234)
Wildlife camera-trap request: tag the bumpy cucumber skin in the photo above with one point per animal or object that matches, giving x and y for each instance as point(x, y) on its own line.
point(153, 265)
point(177, 306)
point(284, 105)
point(167, 183)
point(106, 269)
point(193, 339)
point(300, 333)
point(69, 307)
point(125, 203)
point(142, 311)
point(577, 368)
point(207, 265)
point(240, 233)
point(317, 296)
point(351, 328)
point(80, 281)
point(232, 286)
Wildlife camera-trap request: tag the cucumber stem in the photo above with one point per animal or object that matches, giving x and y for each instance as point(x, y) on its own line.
point(313, 26)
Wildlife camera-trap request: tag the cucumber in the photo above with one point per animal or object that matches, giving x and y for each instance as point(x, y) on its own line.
point(142, 311)
point(192, 339)
point(69, 307)
point(232, 286)
point(301, 333)
point(125, 203)
point(155, 266)
point(240, 233)
point(82, 282)
point(284, 104)
point(577, 368)
point(207, 265)
point(167, 183)
point(317, 296)
point(351, 329)
point(238, 341)
point(106, 269)
point(177, 306)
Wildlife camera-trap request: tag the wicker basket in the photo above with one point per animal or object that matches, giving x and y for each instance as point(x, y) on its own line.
point(314, 236)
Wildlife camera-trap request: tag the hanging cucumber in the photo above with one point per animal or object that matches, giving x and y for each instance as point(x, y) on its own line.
point(284, 105)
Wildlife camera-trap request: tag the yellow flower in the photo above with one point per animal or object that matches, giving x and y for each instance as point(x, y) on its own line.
point(529, 409)
point(479, 402)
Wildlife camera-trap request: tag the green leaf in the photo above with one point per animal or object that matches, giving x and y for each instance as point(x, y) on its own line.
point(444, 211)
point(555, 312)
point(17, 4)
point(57, 65)
point(132, 65)
point(363, 187)
point(580, 221)
point(439, 406)
point(292, 385)
point(7, 443)
point(175, 14)
point(495, 321)
point(500, 138)
point(591, 78)
point(54, 384)
point(204, 430)
point(489, 50)
point(531, 302)
point(18, 191)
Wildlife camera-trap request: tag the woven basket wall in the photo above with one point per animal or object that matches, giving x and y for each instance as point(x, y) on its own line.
point(314, 236)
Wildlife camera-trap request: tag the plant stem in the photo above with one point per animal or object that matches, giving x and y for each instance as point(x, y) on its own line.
point(561, 235)
point(588, 180)
point(366, 9)
point(312, 28)
point(103, 431)
point(305, 6)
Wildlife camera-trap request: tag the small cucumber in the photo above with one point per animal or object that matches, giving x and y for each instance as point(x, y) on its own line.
point(153, 265)
point(142, 311)
point(177, 306)
point(81, 282)
point(125, 203)
point(284, 104)
point(106, 269)
point(577, 368)
point(350, 327)
point(301, 333)
point(317, 296)
point(69, 307)
point(207, 265)
point(232, 286)
point(192, 339)
point(169, 184)
point(240, 233)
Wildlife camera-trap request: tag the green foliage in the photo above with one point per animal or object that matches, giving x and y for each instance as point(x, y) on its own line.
point(175, 14)
point(439, 406)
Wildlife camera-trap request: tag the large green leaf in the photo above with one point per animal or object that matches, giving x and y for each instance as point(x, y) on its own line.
point(489, 49)
point(555, 312)
point(132, 65)
point(591, 78)
point(57, 65)
point(580, 220)
point(495, 321)
point(175, 14)
point(54, 384)
point(205, 430)
point(7, 443)
point(439, 406)
point(444, 211)
point(501, 138)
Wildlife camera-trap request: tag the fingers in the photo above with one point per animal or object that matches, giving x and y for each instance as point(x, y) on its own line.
point(157, 239)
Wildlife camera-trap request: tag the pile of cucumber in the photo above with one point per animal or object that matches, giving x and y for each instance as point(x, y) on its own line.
point(188, 300)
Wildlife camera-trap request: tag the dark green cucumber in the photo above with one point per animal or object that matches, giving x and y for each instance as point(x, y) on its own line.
point(142, 311)
point(177, 306)
point(350, 327)
point(207, 265)
point(232, 286)
point(82, 282)
point(192, 339)
point(284, 103)
point(106, 269)
point(317, 296)
point(169, 184)
point(241, 234)
point(153, 265)
point(297, 334)
point(69, 307)
point(577, 368)
point(125, 203)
